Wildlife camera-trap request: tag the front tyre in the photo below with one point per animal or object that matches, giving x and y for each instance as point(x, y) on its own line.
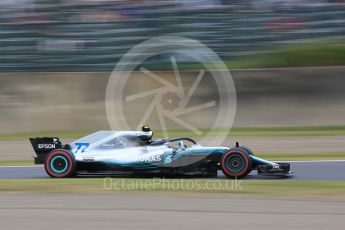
point(60, 163)
point(250, 152)
point(236, 163)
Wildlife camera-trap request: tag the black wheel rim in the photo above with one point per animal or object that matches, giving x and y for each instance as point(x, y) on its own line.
point(59, 164)
point(235, 163)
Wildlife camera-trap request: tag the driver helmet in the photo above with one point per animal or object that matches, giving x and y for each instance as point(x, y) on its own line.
point(180, 145)
point(147, 134)
point(146, 128)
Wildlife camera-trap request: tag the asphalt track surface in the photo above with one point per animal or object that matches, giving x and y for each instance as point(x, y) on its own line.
point(303, 170)
point(172, 211)
point(169, 212)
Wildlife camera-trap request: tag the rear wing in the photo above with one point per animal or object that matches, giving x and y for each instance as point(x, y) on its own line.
point(44, 145)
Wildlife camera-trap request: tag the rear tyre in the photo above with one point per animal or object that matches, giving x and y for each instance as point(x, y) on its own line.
point(60, 163)
point(236, 163)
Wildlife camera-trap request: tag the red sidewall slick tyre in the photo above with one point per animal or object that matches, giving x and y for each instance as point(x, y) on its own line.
point(60, 163)
point(236, 163)
point(250, 152)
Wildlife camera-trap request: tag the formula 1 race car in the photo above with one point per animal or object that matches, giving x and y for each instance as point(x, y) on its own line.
point(109, 152)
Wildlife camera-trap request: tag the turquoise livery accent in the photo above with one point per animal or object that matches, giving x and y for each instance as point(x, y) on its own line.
point(53, 167)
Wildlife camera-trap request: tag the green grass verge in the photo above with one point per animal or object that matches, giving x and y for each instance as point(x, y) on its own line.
point(66, 134)
point(312, 54)
point(289, 188)
point(295, 156)
point(323, 53)
point(16, 162)
point(235, 132)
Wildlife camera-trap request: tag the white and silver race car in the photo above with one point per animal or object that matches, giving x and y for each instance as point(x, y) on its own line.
point(111, 152)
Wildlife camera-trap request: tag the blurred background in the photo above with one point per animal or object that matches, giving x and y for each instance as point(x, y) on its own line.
point(285, 56)
point(287, 60)
point(92, 35)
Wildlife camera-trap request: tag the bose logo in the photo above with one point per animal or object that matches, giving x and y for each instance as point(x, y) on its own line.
point(46, 146)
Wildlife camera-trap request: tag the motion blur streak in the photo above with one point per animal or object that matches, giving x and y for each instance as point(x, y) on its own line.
point(56, 57)
point(89, 35)
point(37, 211)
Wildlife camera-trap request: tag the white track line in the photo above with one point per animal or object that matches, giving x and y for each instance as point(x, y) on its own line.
point(310, 161)
point(21, 166)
